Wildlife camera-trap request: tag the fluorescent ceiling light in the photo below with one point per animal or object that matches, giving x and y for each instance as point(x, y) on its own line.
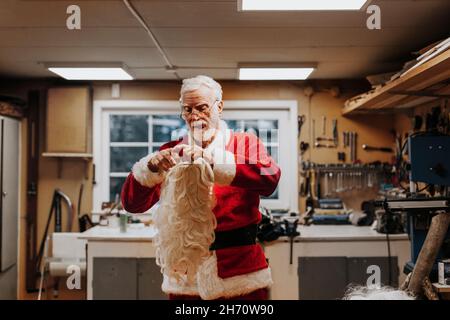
point(286, 5)
point(274, 73)
point(90, 72)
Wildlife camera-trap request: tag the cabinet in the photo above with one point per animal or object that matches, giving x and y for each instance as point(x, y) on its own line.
point(9, 201)
point(68, 125)
point(68, 120)
point(326, 278)
point(126, 279)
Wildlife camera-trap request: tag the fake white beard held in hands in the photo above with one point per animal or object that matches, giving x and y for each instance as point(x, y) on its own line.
point(185, 220)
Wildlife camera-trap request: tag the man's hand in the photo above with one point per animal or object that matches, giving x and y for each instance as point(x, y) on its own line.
point(162, 161)
point(190, 153)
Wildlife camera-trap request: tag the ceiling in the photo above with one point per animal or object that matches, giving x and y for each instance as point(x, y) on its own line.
point(212, 37)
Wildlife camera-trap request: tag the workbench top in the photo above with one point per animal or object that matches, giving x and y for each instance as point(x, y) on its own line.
point(343, 233)
point(313, 233)
point(105, 233)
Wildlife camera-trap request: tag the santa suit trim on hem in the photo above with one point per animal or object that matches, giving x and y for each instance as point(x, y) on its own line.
point(211, 286)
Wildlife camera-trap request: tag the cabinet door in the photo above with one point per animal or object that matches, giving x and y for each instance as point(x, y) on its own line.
point(114, 279)
point(9, 191)
point(322, 278)
point(150, 280)
point(68, 119)
point(357, 269)
point(325, 278)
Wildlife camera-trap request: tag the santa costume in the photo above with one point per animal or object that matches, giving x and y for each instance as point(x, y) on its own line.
point(243, 171)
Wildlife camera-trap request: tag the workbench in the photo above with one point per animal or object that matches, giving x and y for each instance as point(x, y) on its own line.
point(115, 260)
point(331, 256)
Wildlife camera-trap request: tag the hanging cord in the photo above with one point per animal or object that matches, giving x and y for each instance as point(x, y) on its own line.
point(139, 18)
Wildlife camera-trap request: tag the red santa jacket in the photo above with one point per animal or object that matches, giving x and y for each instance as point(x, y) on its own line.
point(243, 171)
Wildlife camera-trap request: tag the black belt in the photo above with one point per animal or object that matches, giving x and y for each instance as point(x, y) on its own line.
point(234, 238)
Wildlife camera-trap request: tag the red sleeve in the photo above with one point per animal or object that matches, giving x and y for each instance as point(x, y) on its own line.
point(137, 198)
point(255, 168)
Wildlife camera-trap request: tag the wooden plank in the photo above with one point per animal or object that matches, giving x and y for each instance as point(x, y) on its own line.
point(67, 155)
point(430, 73)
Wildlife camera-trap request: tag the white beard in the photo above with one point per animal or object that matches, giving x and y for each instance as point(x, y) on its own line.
point(202, 135)
point(185, 220)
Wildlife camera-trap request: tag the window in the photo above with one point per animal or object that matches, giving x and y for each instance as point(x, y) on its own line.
point(265, 129)
point(125, 131)
point(132, 137)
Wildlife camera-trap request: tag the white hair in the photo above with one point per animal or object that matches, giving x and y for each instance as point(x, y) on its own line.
point(376, 293)
point(195, 83)
point(184, 220)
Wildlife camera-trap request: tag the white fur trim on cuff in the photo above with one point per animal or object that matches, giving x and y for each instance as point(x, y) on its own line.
point(211, 286)
point(172, 286)
point(144, 176)
point(224, 166)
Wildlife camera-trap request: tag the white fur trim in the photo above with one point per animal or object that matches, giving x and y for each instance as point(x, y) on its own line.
point(224, 166)
point(172, 286)
point(211, 286)
point(144, 176)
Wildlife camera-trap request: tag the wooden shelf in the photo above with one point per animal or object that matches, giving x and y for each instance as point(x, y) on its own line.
point(86, 156)
point(83, 156)
point(423, 84)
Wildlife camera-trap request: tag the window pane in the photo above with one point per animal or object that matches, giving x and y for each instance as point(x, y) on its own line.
point(273, 151)
point(128, 128)
point(232, 124)
point(167, 128)
point(270, 127)
point(115, 187)
point(269, 136)
point(123, 158)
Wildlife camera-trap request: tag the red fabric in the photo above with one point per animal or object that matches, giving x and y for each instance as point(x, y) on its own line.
point(136, 197)
point(260, 294)
point(240, 260)
point(236, 205)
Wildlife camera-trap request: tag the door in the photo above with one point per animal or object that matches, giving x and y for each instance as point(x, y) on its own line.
point(9, 177)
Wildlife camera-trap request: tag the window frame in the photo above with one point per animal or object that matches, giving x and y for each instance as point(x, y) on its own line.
point(103, 108)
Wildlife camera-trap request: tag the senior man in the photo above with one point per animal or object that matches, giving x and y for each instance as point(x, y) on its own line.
point(243, 171)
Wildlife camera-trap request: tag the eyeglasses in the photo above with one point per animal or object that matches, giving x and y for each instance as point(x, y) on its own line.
point(201, 108)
